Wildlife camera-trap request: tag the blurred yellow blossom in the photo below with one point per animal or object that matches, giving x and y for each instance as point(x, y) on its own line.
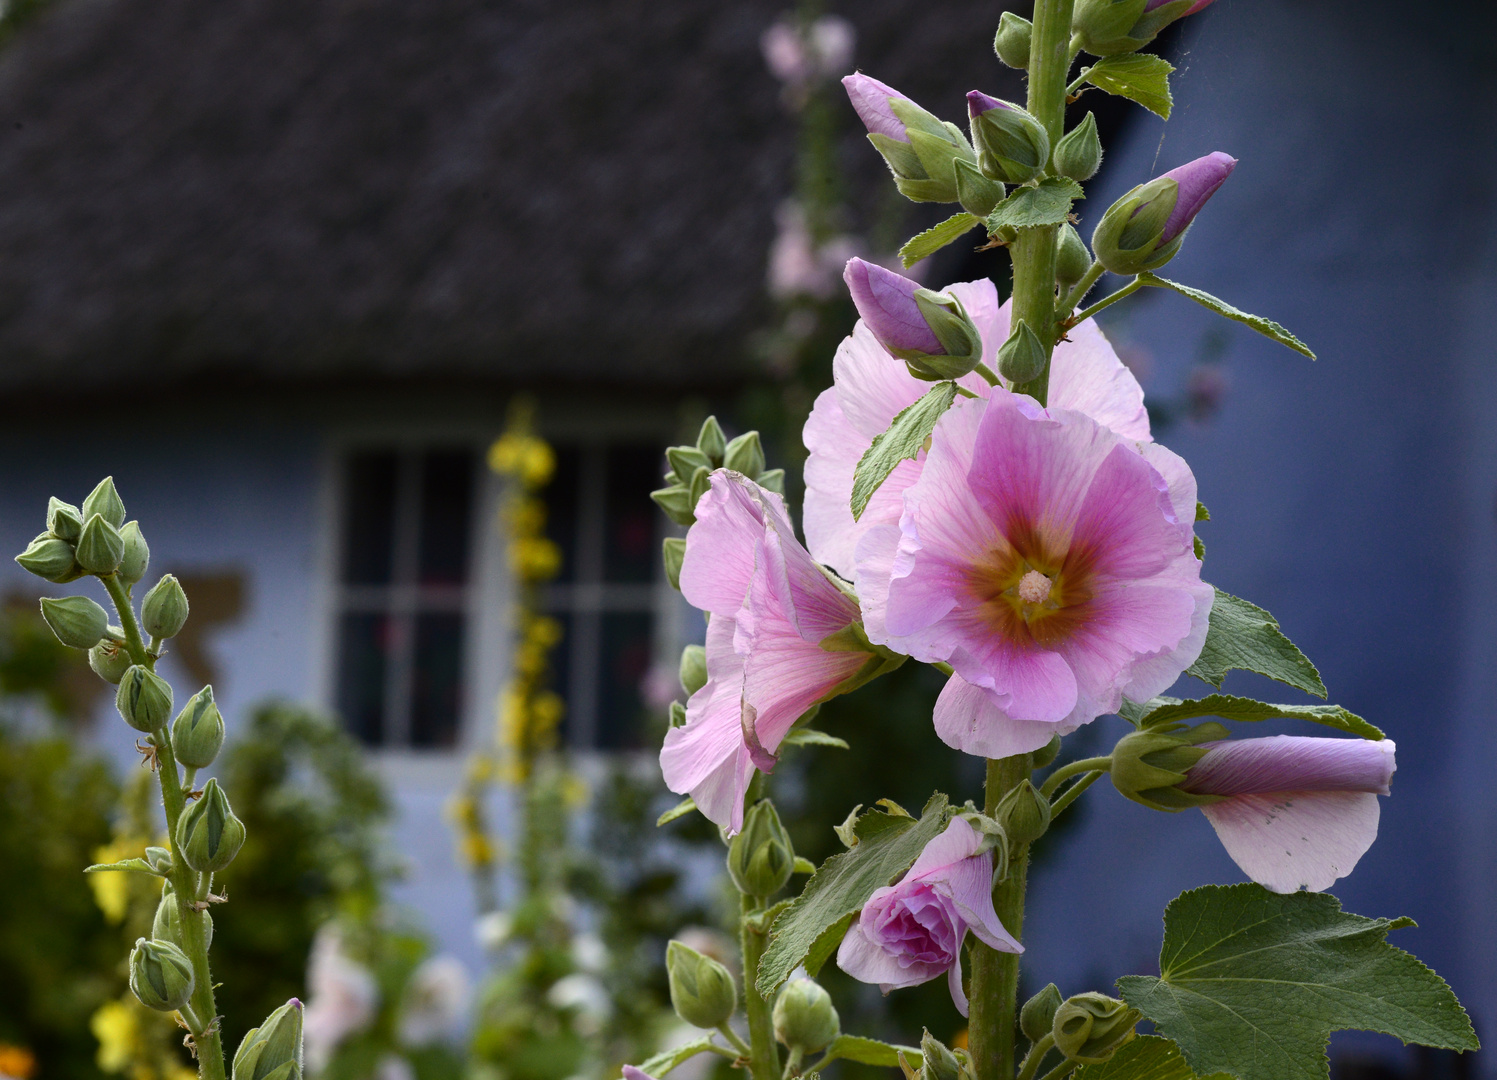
point(16, 1062)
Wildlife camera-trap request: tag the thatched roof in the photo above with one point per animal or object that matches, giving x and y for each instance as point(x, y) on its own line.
point(324, 189)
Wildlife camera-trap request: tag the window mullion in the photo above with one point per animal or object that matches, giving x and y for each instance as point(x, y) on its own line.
point(400, 675)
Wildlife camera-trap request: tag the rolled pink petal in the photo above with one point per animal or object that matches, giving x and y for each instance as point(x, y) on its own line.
point(1198, 181)
point(1297, 813)
point(886, 301)
point(979, 103)
point(633, 1072)
point(911, 932)
point(870, 100)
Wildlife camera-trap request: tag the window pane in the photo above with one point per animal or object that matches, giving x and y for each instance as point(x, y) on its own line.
point(625, 662)
point(631, 553)
point(363, 649)
point(436, 690)
point(559, 676)
point(446, 516)
point(369, 517)
point(561, 509)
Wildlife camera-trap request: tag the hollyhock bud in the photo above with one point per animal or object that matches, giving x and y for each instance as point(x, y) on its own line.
point(77, 621)
point(1090, 1027)
point(761, 857)
point(1108, 27)
point(198, 731)
point(693, 669)
point(144, 699)
point(710, 441)
point(673, 550)
point(1148, 765)
point(100, 548)
point(208, 833)
point(1079, 152)
point(1037, 1016)
point(702, 990)
point(804, 1017)
point(1072, 260)
point(64, 520)
point(109, 658)
point(929, 331)
point(1024, 814)
point(1022, 357)
point(137, 554)
point(51, 559)
point(745, 454)
point(937, 1062)
point(911, 932)
point(1011, 43)
point(105, 502)
point(163, 612)
point(920, 149)
point(167, 925)
point(160, 975)
point(272, 1051)
point(1145, 228)
point(1012, 145)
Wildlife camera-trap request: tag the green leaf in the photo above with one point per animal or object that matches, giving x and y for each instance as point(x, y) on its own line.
point(1244, 636)
point(1138, 77)
point(904, 439)
point(871, 1052)
point(1253, 983)
point(1266, 327)
point(667, 1060)
point(1029, 207)
point(681, 809)
point(812, 737)
point(803, 865)
point(1229, 707)
point(826, 943)
point(924, 245)
point(887, 846)
point(138, 866)
point(1147, 1057)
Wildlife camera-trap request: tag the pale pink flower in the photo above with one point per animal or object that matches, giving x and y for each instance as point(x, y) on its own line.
point(436, 1000)
point(771, 607)
point(911, 932)
point(1047, 559)
point(1296, 813)
point(343, 997)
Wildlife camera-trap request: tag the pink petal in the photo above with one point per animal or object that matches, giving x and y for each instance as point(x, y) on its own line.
point(719, 563)
point(967, 719)
point(1087, 377)
point(706, 758)
point(1179, 481)
point(875, 568)
point(784, 675)
point(1156, 673)
point(969, 883)
point(957, 842)
point(1125, 518)
point(865, 961)
point(954, 982)
point(1296, 840)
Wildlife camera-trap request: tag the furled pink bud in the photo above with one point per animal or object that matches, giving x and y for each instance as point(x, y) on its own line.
point(930, 331)
point(870, 98)
point(1292, 763)
point(1198, 181)
point(922, 151)
point(1012, 146)
point(1145, 228)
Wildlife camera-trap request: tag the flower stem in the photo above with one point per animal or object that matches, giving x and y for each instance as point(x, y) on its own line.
point(764, 1054)
point(1055, 779)
point(1074, 792)
point(1036, 1055)
point(1107, 301)
point(1060, 1070)
point(792, 1063)
point(1081, 288)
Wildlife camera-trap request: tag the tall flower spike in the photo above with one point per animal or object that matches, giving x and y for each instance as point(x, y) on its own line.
point(782, 638)
point(911, 932)
point(930, 331)
point(1293, 812)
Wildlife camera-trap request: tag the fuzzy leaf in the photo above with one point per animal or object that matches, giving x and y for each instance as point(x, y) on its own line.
point(812, 737)
point(903, 440)
point(1229, 707)
point(887, 847)
point(1267, 327)
point(1147, 1057)
point(826, 944)
point(138, 866)
point(871, 1052)
point(667, 1060)
point(1244, 636)
point(681, 809)
point(924, 245)
point(1030, 207)
point(1138, 77)
point(1253, 983)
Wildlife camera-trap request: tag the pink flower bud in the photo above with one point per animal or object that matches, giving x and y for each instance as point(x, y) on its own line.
point(1198, 181)
point(1291, 763)
point(886, 301)
point(870, 98)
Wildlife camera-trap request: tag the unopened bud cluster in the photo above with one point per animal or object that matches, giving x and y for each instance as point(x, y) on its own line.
point(689, 477)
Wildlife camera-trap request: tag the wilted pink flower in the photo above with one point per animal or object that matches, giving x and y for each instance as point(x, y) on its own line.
point(771, 608)
point(1297, 812)
point(870, 100)
point(1198, 181)
point(870, 387)
point(912, 932)
point(1049, 560)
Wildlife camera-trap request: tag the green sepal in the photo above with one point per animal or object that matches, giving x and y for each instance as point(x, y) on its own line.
point(685, 460)
point(900, 157)
point(772, 480)
point(677, 503)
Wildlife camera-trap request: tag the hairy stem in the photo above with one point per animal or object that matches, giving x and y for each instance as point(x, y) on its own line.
point(1055, 779)
point(1079, 291)
point(1074, 792)
point(1036, 1055)
point(765, 1063)
point(1107, 301)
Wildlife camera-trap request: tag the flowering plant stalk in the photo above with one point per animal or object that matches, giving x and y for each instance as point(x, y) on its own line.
point(984, 495)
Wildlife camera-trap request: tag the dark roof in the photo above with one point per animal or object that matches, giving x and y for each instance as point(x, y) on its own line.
point(313, 189)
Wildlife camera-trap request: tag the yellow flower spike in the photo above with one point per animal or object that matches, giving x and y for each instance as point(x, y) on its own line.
point(114, 1025)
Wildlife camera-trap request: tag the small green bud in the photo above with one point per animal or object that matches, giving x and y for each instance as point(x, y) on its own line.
point(163, 612)
point(1147, 765)
point(137, 554)
point(160, 975)
point(1079, 152)
point(1047, 753)
point(677, 503)
point(101, 548)
point(1021, 358)
point(745, 455)
point(1072, 260)
point(109, 658)
point(685, 460)
point(105, 502)
point(160, 859)
point(272, 1051)
point(1090, 1027)
point(50, 558)
point(144, 699)
point(64, 520)
point(198, 732)
point(1037, 1016)
point(1011, 43)
point(702, 990)
point(761, 857)
point(677, 714)
point(977, 193)
point(772, 480)
point(693, 668)
point(712, 442)
point(701, 480)
point(1024, 813)
point(208, 833)
point(674, 551)
point(167, 926)
point(77, 621)
point(804, 1017)
point(937, 1062)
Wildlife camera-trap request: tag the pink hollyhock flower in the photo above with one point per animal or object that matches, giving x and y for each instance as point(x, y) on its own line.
point(1049, 560)
point(870, 387)
point(769, 657)
point(1296, 813)
point(912, 932)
